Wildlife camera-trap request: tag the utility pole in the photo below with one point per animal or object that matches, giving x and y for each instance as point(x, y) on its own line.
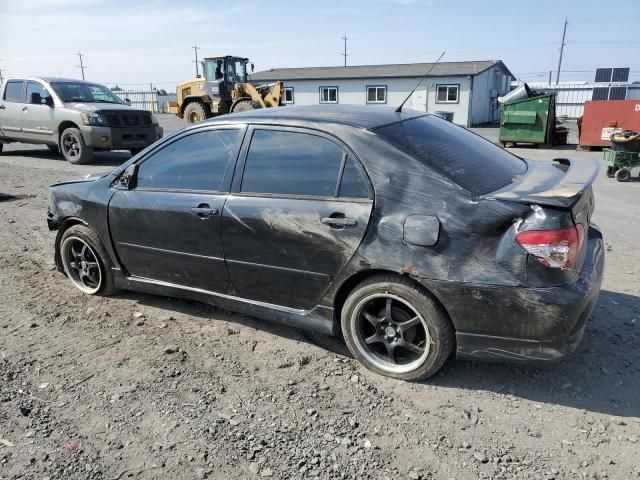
point(344, 37)
point(1, 79)
point(195, 49)
point(81, 66)
point(564, 32)
point(549, 77)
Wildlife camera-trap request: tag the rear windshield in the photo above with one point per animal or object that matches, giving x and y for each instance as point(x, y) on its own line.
point(476, 164)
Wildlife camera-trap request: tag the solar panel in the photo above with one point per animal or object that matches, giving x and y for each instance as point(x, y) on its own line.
point(600, 93)
point(604, 74)
point(620, 75)
point(618, 93)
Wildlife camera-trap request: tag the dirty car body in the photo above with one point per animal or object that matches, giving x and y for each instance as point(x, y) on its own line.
point(505, 247)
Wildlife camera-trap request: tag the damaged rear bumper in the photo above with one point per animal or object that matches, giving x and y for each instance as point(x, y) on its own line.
point(528, 324)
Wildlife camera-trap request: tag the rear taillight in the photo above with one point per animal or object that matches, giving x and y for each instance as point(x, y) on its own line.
point(553, 248)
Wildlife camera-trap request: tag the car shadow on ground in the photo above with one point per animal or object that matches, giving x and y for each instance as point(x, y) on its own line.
point(107, 158)
point(603, 375)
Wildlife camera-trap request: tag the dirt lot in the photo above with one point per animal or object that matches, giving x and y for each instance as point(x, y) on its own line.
point(144, 387)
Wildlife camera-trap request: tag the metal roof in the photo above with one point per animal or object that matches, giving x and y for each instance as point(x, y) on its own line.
point(406, 70)
point(360, 116)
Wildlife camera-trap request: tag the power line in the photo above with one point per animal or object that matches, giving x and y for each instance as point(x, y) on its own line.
point(81, 66)
point(345, 55)
point(195, 49)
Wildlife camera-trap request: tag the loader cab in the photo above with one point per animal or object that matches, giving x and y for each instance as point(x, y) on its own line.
point(226, 72)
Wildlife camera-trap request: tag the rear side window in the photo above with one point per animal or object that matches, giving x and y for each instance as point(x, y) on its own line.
point(472, 162)
point(13, 91)
point(353, 183)
point(291, 163)
point(196, 162)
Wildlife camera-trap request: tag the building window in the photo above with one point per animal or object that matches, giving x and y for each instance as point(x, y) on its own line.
point(328, 94)
point(447, 93)
point(377, 94)
point(288, 95)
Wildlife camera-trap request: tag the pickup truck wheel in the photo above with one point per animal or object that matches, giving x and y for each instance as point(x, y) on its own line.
point(73, 147)
point(53, 148)
point(1, 145)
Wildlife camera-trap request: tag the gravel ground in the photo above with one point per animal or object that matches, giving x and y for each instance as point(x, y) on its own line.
point(144, 387)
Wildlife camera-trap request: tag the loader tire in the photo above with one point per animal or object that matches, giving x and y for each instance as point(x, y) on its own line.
point(244, 104)
point(195, 112)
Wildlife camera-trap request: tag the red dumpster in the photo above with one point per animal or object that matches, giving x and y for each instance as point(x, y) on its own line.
point(602, 118)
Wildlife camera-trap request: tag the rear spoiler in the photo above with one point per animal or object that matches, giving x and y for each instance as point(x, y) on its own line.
point(560, 184)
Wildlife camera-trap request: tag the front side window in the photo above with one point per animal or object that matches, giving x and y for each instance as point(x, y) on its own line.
point(36, 93)
point(447, 93)
point(200, 161)
point(377, 94)
point(328, 94)
point(13, 91)
point(291, 163)
point(288, 95)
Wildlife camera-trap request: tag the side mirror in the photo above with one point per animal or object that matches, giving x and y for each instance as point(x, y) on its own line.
point(128, 177)
point(37, 99)
point(127, 101)
point(48, 101)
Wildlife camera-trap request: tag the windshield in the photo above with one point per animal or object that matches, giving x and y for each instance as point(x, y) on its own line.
point(84, 92)
point(476, 164)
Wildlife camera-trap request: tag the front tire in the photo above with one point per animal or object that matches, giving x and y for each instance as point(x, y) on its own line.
point(195, 112)
point(73, 147)
point(395, 328)
point(86, 262)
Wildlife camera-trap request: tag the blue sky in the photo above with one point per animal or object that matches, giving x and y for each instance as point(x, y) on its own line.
point(138, 42)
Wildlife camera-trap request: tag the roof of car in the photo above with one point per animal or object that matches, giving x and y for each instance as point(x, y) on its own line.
point(353, 115)
point(59, 79)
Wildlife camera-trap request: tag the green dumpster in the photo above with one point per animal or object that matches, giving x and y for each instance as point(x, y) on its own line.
point(530, 120)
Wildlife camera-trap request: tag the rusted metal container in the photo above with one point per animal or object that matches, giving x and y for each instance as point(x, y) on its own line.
point(603, 118)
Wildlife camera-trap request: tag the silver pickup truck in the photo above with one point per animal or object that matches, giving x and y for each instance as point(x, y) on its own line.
point(73, 117)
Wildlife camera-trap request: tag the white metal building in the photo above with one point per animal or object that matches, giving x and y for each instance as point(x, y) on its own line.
point(467, 90)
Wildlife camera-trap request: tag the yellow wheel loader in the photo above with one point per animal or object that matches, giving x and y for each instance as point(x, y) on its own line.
point(223, 89)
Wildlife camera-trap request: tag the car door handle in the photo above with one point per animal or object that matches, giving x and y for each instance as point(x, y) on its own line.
point(339, 221)
point(204, 211)
point(24, 109)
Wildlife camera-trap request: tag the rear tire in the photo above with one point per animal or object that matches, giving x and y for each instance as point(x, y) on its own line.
point(244, 105)
point(195, 112)
point(611, 171)
point(86, 262)
point(623, 175)
point(73, 147)
point(395, 328)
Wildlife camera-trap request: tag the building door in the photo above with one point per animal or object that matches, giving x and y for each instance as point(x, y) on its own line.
point(419, 100)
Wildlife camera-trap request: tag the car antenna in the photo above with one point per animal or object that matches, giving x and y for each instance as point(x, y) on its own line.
point(399, 109)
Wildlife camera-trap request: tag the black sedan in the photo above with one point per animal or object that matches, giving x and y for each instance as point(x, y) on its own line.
point(413, 237)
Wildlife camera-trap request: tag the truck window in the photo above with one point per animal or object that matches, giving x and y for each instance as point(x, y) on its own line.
point(13, 91)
